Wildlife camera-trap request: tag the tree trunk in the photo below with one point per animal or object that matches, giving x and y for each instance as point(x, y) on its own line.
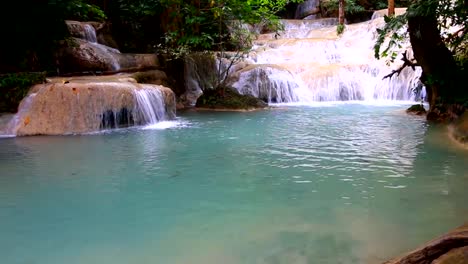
point(341, 12)
point(440, 72)
point(391, 7)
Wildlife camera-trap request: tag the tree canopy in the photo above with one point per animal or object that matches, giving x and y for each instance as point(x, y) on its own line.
point(437, 30)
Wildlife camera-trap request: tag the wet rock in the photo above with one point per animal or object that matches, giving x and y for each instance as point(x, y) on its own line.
point(95, 32)
point(82, 55)
point(454, 256)
point(417, 109)
point(447, 249)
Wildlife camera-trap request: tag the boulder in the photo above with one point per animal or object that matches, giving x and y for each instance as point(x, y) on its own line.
point(417, 109)
point(82, 55)
point(450, 248)
point(309, 9)
point(95, 32)
point(85, 56)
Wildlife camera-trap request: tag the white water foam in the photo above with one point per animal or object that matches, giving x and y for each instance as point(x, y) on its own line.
point(167, 125)
point(150, 107)
point(307, 64)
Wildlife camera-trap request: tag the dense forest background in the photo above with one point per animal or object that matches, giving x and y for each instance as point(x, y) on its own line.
point(34, 30)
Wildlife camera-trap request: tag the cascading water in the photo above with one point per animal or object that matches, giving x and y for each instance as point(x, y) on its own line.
point(89, 33)
point(90, 104)
point(150, 107)
point(309, 62)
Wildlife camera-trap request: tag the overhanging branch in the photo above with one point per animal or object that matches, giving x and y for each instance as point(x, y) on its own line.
point(406, 63)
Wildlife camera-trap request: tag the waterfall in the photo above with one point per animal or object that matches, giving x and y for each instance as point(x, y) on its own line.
point(308, 62)
point(110, 54)
point(89, 104)
point(149, 107)
point(89, 33)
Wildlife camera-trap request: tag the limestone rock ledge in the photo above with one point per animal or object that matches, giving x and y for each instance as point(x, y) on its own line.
point(80, 106)
point(451, 248)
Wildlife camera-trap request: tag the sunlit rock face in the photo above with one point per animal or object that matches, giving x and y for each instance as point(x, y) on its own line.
point(85, 104)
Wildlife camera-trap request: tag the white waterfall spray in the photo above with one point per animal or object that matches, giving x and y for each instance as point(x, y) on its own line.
point(89, 33)
point(149, 107)
point(309, 62)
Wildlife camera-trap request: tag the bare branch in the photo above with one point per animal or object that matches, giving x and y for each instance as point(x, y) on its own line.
point(406, 63)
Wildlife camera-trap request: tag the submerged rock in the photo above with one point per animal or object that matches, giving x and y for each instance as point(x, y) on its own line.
point(81, 105)
point(450, 248)
point(459, 129)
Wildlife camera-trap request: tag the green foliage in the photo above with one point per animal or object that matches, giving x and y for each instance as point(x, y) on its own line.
point(32, 30)
point(395, 29)
point(219, 24)
point(451, 14)
point(15, 86)
point(340, 29)
point(351, 7)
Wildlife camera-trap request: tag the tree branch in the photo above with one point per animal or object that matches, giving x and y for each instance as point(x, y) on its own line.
point(406, 63)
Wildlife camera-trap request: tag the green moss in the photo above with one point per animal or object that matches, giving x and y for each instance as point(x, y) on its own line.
point(14, 87)
point(340, 29)
point(228, 98)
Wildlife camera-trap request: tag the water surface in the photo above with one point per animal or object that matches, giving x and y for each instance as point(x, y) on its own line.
point(330, 184)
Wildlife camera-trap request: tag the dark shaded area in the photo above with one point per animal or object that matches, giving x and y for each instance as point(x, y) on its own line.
point(122, 118)
point(14, 87)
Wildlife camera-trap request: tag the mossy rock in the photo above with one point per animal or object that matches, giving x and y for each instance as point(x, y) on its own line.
point(15, 86)
point(228, 98)
point(417, 109)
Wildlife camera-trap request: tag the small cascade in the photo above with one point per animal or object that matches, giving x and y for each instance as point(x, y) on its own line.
point(89, 33)
point(110, 54)
point(150, 107)
point(199, 71)
point(23, 109)
point(308, 62)
point(270, 84)
point(90, 104)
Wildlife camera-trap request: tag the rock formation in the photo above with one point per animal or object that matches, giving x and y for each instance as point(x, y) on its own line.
point(86, 104)
point(451, 248)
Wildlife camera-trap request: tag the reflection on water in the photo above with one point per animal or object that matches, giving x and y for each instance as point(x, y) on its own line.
point(342, 184)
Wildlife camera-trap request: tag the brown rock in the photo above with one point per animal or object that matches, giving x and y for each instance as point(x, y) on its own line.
point(454, 256)
point(436, 248)
point(83, 56)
